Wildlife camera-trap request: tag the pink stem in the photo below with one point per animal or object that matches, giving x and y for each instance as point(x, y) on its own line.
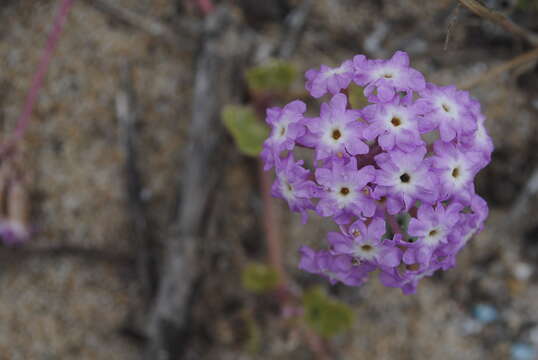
point(37, 81)
point(206, 6)
point(271, 226)
point(394, 224)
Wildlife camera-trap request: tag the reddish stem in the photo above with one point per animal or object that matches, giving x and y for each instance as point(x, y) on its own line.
point(37, 81)
point(206, 6)
point(271, 226)
point(394, 224)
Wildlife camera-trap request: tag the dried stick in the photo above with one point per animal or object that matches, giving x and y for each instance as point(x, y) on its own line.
point(126, 114)
point(451, 23)
point(499, 69)
point(37, 81)
point(224, 49)
point(501, 20)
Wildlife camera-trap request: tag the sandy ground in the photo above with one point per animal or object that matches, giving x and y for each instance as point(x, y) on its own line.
point(71, 307)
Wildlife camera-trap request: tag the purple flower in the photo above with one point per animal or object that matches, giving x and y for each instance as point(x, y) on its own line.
point(406, 279)
point(405, 178)
point(366, 244)
point(479, 141)
point(286, 127)
point(408, 158)
point(337, 130)
point(336, 268)
point(455, 170)
point(293, 185)
point(432, 227)
point(344, 190)
point(470, 223)
point(326, 79)
point(395, 123)
point(448, 110)
point(387, 76)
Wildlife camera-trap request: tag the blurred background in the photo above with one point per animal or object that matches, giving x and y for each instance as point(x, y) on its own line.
point(147, 223)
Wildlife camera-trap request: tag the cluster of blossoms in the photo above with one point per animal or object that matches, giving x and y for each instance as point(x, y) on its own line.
point(396, 176)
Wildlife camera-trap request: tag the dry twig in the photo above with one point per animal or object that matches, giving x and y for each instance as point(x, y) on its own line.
point(499, 69)
point(223, 51)
point(500, 19)
point(451, 24)
point(140, 235)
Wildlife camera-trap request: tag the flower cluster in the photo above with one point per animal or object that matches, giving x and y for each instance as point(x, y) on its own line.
point(395, 176)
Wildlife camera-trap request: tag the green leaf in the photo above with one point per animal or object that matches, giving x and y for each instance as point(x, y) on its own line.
point(247, 130)
point(529, 5)
point(274, 76)
point(356, 96)
point(325, 315)
point(253, 336)
point(259, 278)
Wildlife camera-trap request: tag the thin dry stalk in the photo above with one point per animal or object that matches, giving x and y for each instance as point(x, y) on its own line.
point(501, 20)
point(499, 69)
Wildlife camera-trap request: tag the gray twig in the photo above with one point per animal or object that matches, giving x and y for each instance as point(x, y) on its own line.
point(494, 72)
point(223, 51)
point(140, 235)
point(452, 22)
point(500, 19)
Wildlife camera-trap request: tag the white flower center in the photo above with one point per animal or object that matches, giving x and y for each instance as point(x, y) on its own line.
point(434, 237)
point(448, 107)
point(286, 189)
point(344, 195)
point(334, 136)
point(386, 72)
point(365, 251)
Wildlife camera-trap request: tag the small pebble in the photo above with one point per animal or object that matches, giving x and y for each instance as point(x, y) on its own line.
point(522, 351)
point(485, 313)
point(522, 271)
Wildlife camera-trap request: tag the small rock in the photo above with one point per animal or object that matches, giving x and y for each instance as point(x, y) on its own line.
point(522, 351)
point(522, 271)
point(485, 313)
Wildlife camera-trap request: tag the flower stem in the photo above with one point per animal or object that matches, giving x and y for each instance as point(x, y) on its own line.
point(37, 81)
point(394, 224)
point(206, 6)
point(271, 226)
